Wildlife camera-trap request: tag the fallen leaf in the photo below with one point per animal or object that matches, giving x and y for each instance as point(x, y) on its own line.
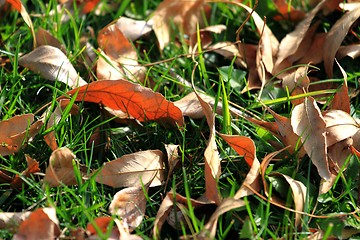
point(102, 224)
point(297, 82)
point(205, 37)
point(134, 170)
point(16, 131)
point(298, 191)
point(173, 159)
point(51, 63)
point(211, 155)
point(41, 224)
point(308, 123)
point(341, 100)
point(230, 51)
point(184, 14)
point(88, 5)
point(352, 51)
point(287, 12)
point(44, 37)
point(314, 54)
point(339, 152)
point(133, 29)
point(326, 185)
point(60, 169)
point(129, 204)
point(245, 147)
point(335, 37)
point(339, 126)
point(33, 167)
point(139, 102)
point(17, 4)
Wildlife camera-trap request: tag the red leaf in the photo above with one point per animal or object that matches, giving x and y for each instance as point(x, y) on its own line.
point(137, 101)
point(15, 4)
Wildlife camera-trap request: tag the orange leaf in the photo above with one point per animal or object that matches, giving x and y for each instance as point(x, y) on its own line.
point(16, 4)
point(89, 5)
point(33, 167)
point(137, 101)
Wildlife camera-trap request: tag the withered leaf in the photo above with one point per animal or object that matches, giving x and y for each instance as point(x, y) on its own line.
point(16, 131)
point(41, 224)
point(139, 102)
point(308, 123)
point(133, 170)
point(51, 63)
point(133, 29)
point(335, 37)
point(33, 167)
point(129, 204)
point(44, 37)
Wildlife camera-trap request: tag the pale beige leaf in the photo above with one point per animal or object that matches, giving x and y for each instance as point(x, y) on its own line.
point(133, 170)
point(339, 126)
point(205, 37)
point(352, 51)
point(298, 191)
point(339, 152)
point(51, 63)
point(229, 51)
point(129, 204)
point(326, 185)
point(41, 224)
point(60, 168)
point(335, 37)
point(161, 215)
point(108, 69)
point(252, 179)
point(308, 123)
point(212, 159)
point(341, 100)
point(133, 29)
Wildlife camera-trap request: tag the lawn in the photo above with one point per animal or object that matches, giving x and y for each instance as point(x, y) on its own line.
point(179, 119)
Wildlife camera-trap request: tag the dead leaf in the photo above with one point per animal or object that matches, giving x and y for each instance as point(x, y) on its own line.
point(335, 37)
point(119, 59)
point(205, 37)
point(44, 37)
point(183, 14)
point(102, 224)
point(245, 147)
point(133, 29)
point(51, 63)
point(60, 169)
point(129, 204)
point(352, 51)
point(229, 51)
point(211, 155)
point(298, 191)
point(139, 102)
point(308, 123)
point(17, 4)
point(297, 82)
point(287, 12)
point(326, 185)
point(314, 54)
point(173, 159)
point(339, 152)
point(134, 170)
point(339, 126)
point(16, 131)
point(33, 167)
point(341, 100)
point(41, 224)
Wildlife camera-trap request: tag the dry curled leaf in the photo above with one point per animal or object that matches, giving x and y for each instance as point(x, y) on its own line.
point(61, 169)
point(308, 123)
point(138, 102)
point(134, 170)
point(33, 167)
point(51, 63)
point(133, 29)
point(129, 204)
point(44, 37)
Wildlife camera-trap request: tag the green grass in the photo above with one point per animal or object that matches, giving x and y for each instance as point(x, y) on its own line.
point(23, 91)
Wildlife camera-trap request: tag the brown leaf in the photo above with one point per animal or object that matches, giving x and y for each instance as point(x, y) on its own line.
point(298, 191)
point(297, 82)
point(41, 224)
point(341, 100)
point(308, 123)
point(205, 37)
point(16, 131)
point(133, 170)
point(314, 54)
point(339, 152)
point(44, 37)
point(129, 204)
point(137, 101)
point(229, 51)
point(121, 55)
point(33, 167)
point(102, 224)
point(51, 63)
point(245, 147)
point(335, 37)
point(184, 14)
point(352, 51)
point(339, 126)
point(212, 159)
point(286, 12)
point(173, 159)
point(60, 168)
